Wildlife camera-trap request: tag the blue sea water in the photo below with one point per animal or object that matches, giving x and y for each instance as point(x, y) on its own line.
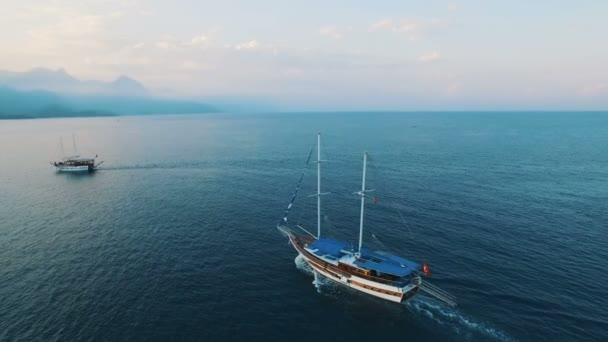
point(174, 237)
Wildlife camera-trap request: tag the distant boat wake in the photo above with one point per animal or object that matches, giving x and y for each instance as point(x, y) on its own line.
point(423, 306)
point(154, 166)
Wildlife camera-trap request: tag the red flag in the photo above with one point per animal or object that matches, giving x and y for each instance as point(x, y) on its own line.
point(375, 199)
point(426, 269)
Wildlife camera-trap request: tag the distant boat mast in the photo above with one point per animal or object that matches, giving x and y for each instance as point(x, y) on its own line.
point(61, 146)
point(74, 144)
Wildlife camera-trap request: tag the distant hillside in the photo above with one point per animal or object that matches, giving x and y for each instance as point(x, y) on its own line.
point(43, 93)
point(59, 81)
point(17, 104)
point(38, 104)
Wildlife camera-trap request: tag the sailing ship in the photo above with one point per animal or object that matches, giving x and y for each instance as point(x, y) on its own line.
point(75, 163)
point(377, 273)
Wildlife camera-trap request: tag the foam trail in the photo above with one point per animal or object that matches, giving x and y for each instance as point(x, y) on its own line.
point(428, 307)
point(302, 265)
point(452, 317)
point(317, 282)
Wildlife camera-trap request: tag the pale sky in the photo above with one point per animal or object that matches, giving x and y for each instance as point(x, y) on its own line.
point(410, 55)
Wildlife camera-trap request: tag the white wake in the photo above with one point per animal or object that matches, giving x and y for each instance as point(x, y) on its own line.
point(420, 305)
point(302, 265)
point(319, 280)
point(453, 318)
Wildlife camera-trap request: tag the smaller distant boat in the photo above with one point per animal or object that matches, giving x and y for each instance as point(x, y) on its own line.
point(75, 163)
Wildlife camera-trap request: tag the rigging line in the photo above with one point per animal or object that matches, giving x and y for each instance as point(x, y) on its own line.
point(405, 224)
point(295, 194)
point(299, 218)
point(408, 228)
point(393, 203)
point(374, 171)
point(377, 239)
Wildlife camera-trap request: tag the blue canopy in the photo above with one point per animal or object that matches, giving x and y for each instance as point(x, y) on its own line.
point(329, 247)
point(386, 263)
point(372, 260)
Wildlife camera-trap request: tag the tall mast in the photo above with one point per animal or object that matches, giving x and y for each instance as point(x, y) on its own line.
point(74, 144)
point(362, 194)
point(61, 146)
point(318, 185)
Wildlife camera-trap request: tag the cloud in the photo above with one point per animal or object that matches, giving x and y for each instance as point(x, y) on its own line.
point(429, 57)
point(331, 31)
point(292, 72)
point(381, 25)
point(592, 90)
point(163, 45)
point(200, 40)
point(407, 28)
point(69, 29)
point(252, 44)
point(169, 42)
point(454, 88)
point(412, 29)
point(192, 66)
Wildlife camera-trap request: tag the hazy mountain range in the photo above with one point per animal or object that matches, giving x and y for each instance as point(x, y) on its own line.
point(55, 93)
point(62, 82)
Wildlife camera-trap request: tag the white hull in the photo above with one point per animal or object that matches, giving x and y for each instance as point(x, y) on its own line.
point(73, 168)
point(358, 283)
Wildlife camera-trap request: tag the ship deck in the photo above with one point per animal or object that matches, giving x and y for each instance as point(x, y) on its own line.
point(335, 251)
